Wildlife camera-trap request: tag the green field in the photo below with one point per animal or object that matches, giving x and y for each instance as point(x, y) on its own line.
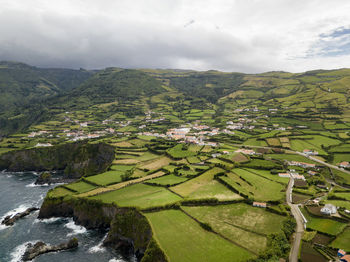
point(168, 180)
point(184, 240)
point(178, 151)
point(139, 195)
point(257, 187)
point(339, 203)
point(242, 222)
point(106, 178)
point(80, 186)
point(187, 188)
point(323, 225)
point(214, 189)
point(342, 241)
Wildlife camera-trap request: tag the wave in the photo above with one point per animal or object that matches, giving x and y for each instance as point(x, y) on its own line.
point(75, 228)
point(18, 252)
point(48, 220)
point(44, 185)
point(99, 247)
point(12, 212)
point(116, 260)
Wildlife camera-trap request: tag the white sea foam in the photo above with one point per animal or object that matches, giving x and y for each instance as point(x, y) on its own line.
point(75, 228)
point(116, 260)
point(48, 220)
point(19, 209)
point(43, 185)
point(18, 252)
point(99, 247)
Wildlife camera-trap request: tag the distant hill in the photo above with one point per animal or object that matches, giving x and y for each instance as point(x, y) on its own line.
point(21, 84)
point(31, 95)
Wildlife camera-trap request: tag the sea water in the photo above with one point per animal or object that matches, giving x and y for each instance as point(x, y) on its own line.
point(17, 193)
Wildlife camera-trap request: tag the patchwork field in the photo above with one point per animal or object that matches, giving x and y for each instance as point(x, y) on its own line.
point(249, 225)
point(183, 239)
point(139, 195)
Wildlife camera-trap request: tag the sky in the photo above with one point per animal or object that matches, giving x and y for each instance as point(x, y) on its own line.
point(250, 36)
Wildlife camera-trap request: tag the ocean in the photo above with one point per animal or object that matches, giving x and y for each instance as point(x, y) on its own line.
point(17, 193)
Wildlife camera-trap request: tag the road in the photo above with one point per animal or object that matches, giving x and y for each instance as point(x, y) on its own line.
point(299, 153)
point(294, 251)
point(293, 256)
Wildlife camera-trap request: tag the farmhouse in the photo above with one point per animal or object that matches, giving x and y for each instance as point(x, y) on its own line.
point(341, 253)
point(329, 209)
point(283, 174)
point(311, 173)
point(301, 164)
point(259, 204)
point(344, 164)
point(246, 151)
point(345, 258)
point(309, 152)
point(297, 176)
point(43, 145)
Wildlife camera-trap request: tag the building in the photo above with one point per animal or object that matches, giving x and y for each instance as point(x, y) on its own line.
point(345, 258)
point(245, 151)
point(344, 164)
point(284, 175)
point(341, 253)
point(259, 204)
point(329, 209)
point(43, 145)
point(309, 152)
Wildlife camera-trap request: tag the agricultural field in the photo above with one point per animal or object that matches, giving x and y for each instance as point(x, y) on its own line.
point(342, 241)
point(176, 135)
point(174, 230)
point(255, 186)
point(139, 195)
point(240, 221)
point(323, 225)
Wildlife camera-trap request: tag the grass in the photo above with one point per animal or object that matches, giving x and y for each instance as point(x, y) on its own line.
point(323, 225)
point(343, 195)
point(290, 157)
point(168, 180)
point(240, 222)
point(123, 168)
point(184, 240)
point(139, 195)
point(155, 164)
point(185, 189)
point(214, 189)
point(106, 178)
point(254, 186)
point(178, 151)
point(342, 241)
point(59, 192)
point(80, 186)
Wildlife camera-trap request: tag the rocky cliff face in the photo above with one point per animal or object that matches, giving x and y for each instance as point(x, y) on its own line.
point(129, 231)
point(76, 159)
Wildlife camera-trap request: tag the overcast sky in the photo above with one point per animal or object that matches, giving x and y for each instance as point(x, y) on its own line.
point(232, 35)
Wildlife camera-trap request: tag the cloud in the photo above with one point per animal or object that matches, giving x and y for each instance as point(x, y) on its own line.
point(243, 35)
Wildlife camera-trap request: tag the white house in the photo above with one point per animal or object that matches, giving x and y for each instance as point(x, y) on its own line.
point(329, 209)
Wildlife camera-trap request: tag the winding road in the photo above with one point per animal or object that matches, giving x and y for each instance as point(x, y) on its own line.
point(293, 256)
point(294, 251)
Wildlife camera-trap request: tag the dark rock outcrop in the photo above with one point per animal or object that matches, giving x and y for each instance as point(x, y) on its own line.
point(10, 220)
point(40, 248)
point(44, 178)
point(76, 159)
point(129, 231)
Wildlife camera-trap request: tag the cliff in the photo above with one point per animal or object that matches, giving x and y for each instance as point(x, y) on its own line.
point(76, 159)
point(129, 231)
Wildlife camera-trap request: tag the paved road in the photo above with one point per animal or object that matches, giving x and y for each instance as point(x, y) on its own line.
point(294, 251)
point(299, 153)
point(293, 256)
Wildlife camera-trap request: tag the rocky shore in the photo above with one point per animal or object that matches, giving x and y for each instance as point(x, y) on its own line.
point(11, 219)
point(40, 248)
